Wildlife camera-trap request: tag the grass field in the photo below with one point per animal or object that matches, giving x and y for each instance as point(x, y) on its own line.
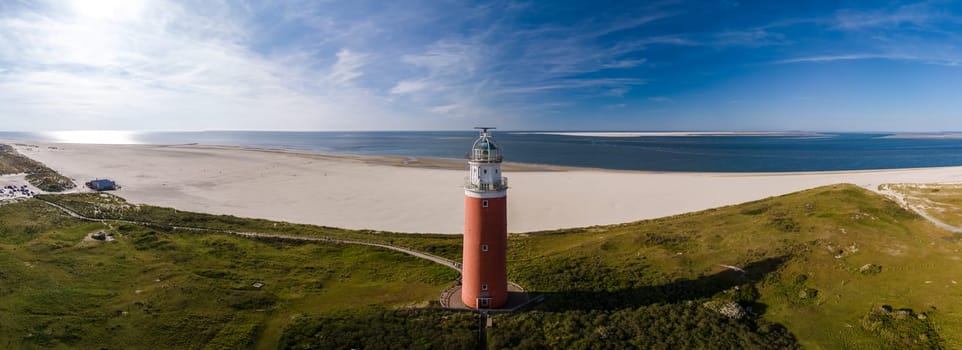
point(828, 268)
point(822, 260)
point(169, 289)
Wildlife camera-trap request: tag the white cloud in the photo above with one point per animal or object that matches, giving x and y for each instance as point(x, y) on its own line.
point(625, 63)
point(107, 9)
point(408, 86)
point(613, 85)
point(157, 65)
point(445, 109)
point(347, 68)
point(521, 73)
point(845, 57)
point(919, 14)
point(448, 57)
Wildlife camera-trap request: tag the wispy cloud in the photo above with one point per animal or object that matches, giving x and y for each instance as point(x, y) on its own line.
point(852, 57)
point(625, 63)
point(139, 64)
point(347, 67)
point(755, 37)
point(846, 57)
point(917, 32)
point(446, 109)
point(918, 14)
point(305, 64)
point(571, 84)
point(408, 86)
point(514, 70)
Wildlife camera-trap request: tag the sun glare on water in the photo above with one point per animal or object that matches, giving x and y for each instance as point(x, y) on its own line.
point(112, 137)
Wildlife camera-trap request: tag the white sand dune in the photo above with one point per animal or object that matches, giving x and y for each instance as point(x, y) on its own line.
point(354, 192)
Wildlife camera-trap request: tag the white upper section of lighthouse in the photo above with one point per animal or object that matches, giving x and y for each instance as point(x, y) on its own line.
point(485, 150)
point(484, 162)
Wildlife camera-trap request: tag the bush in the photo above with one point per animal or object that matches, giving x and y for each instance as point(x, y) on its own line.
point(660, 326)
point(902, 328)
point(379, 328)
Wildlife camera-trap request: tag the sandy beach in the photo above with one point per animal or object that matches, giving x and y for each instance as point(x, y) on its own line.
point(423, 195)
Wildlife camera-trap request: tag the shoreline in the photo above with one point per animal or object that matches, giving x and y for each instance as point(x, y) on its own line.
point(423, 196)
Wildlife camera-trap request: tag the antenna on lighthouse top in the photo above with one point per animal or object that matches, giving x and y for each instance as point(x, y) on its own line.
point(484, 129)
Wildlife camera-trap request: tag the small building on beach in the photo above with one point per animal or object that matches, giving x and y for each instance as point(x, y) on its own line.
point(102, 185)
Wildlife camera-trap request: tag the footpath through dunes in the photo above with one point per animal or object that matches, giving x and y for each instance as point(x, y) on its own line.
point(350, 192)
point(257, 235)
point(831, 267)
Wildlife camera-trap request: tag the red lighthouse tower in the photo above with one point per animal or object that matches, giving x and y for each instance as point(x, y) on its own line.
point(484, 281)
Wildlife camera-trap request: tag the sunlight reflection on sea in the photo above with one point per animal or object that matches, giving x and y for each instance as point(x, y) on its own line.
point(111, 137)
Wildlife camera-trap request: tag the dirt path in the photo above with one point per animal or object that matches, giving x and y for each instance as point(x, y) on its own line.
point(433, 258)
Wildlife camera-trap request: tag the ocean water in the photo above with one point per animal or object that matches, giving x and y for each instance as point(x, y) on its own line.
point(770, 153)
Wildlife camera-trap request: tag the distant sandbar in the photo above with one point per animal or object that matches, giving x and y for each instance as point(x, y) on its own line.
point(943, 135)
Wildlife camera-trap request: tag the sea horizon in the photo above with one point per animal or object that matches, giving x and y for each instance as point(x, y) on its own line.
point(669, 151)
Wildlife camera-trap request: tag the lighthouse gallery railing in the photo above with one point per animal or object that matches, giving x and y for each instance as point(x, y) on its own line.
point(497, 186)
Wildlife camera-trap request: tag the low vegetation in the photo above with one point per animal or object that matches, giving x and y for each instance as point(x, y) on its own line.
point(902, 328)
point(12, 162)
point(657, 326)
point(175, 289)
point(381, 328)
point(815, 259)
point(108, 206)
point(831, 267)
point(941, 201)
point(49, 180)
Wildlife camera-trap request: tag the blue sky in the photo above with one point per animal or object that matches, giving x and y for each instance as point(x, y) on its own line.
point(387, 65)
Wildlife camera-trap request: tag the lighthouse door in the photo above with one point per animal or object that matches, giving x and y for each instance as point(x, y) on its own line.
point(483, 303)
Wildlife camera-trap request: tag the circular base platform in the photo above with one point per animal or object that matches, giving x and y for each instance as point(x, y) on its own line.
point(517, 296)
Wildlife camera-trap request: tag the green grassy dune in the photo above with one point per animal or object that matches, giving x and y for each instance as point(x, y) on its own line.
point(12, 162)
point(832, 267)
point(170, 289)
point(824, 262)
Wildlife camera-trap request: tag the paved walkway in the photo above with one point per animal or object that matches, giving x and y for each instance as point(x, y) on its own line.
point(433, 258)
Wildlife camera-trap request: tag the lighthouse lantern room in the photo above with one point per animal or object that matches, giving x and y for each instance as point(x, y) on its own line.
point(484, 281)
